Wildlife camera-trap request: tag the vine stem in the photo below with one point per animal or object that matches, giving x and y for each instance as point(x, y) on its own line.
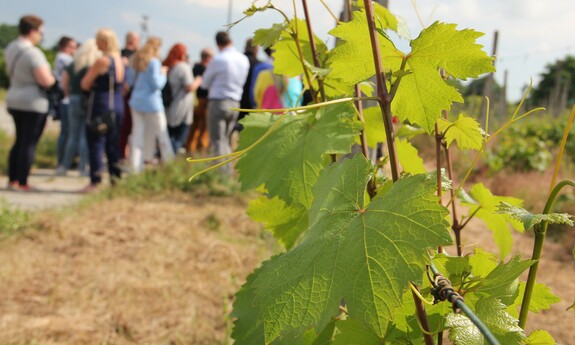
point(384, 98)
point(455, 226)
point(301, 56)
point(540, 232)
point(371, 186)
point(313, 47)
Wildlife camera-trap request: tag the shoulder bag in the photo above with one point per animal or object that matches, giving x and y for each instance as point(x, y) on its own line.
point(105, 122)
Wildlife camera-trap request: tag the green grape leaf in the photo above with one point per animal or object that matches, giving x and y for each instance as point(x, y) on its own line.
point(465, 131)
point(288, 161)
point(286, 57)
point(503, 282)
point(489, 310)
point(483, 204)
point(268, 37)
point(374, 130)
point(529, 219)
point(423, 94)
point(317, 71)
point(540, 337)
point(352, 60)
point(482, 262)
point(408, 157)
point(541, 299)
point(352, 332)
point(441, 45)
point(285, 222)
point(453, 267)
point(253, 9)
point(382, 245)
point(249, 330)
point(382, 16)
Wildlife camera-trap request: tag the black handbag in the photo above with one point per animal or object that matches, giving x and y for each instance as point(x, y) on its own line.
point(105, 122)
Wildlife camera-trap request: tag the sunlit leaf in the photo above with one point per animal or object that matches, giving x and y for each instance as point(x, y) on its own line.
point(384, 244)
point(465, 131)
point(286, 222)
point(408, 157)
point(483, 204)
point(540, 338)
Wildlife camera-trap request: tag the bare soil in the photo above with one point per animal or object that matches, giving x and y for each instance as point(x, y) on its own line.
point(164, 270)
point(160, 271)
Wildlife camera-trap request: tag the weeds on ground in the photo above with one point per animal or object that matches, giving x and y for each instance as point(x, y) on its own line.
point(47, 151)
point(175, 177)
point(12, 220)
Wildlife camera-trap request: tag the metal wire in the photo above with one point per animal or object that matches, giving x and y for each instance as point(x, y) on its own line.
point(444, 291)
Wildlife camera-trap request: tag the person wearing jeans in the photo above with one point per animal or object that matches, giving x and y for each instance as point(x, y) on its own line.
point(104, 80)
point(72, 76)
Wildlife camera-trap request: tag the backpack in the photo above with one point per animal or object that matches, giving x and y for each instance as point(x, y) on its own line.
point(167, 96)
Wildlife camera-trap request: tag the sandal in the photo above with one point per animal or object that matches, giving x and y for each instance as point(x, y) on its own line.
point(28, 189)
point(12, 186)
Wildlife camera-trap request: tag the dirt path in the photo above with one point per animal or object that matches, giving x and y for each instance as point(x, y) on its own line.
point(55, 191)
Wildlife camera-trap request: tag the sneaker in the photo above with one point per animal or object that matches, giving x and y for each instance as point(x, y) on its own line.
point(60, 171)
point(28, 189)
point(91, 188)
point(12, 185)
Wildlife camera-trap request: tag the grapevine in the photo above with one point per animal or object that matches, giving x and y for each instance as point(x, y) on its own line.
point(366, 242)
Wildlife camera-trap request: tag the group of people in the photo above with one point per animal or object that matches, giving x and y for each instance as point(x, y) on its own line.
point(129, 104)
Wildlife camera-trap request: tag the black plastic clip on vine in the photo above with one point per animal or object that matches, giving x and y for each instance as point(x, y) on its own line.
point(443, 291)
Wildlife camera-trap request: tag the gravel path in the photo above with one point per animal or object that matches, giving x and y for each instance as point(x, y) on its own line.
point(55, 191)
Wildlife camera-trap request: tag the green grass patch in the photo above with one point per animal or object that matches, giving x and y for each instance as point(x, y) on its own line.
point(47, 151)
point(12, 221)
point(175, 177)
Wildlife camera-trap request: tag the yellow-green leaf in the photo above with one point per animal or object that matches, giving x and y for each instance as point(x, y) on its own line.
point(483, 204)
point(465, 131)
point(540, 337)
point(409, 157)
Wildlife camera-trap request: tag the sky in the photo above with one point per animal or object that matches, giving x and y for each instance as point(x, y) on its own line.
point(532, 33)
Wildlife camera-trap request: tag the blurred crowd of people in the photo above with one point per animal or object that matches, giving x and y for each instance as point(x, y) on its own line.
point(131, 105)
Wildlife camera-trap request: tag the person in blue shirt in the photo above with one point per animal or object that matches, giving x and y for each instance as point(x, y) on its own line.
point(224, 79)
point(148, 114)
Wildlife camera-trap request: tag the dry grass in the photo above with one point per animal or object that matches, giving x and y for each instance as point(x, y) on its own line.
point(160, 271)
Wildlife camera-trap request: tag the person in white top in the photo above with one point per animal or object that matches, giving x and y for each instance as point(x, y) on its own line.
point(224, 78)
